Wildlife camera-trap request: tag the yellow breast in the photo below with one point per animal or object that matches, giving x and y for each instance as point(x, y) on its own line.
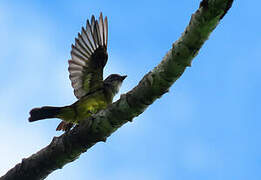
point(84, 108)
point(90, 105)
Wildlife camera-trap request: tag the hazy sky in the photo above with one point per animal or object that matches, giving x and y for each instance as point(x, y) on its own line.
point(206, 127)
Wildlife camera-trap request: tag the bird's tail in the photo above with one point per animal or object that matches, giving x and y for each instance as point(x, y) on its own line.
point(44, 113)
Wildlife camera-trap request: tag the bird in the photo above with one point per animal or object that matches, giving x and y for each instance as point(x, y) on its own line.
point(88, 57)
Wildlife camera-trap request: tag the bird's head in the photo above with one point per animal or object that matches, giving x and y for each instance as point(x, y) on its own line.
point(114, 82)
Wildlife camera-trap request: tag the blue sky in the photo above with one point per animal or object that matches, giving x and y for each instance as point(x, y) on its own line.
point(206, 127)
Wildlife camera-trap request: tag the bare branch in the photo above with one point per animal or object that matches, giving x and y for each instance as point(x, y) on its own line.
point(69, 146)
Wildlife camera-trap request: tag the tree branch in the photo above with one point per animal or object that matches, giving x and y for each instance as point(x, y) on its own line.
point(68, 147)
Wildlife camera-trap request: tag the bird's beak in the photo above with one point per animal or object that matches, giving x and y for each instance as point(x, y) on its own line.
point(123, 77)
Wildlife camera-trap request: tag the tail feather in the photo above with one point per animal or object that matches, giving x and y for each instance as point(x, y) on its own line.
point(44, 113)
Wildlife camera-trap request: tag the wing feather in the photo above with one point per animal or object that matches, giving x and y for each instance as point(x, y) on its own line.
point(80, 52)
point(88, 40)
point(83, 44)
point(77, 84)
point(97, 31)
point(75, 79)
point(89, 56)
point(78, 59)
point(94, 32)
point(106, 31)
point(101, 29)
point(90, 34)
point(73, 66)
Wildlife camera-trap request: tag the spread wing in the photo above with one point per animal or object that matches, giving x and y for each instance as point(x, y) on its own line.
point(89, 56)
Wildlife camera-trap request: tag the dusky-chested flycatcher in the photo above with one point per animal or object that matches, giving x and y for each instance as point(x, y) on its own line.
point(88, 58)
